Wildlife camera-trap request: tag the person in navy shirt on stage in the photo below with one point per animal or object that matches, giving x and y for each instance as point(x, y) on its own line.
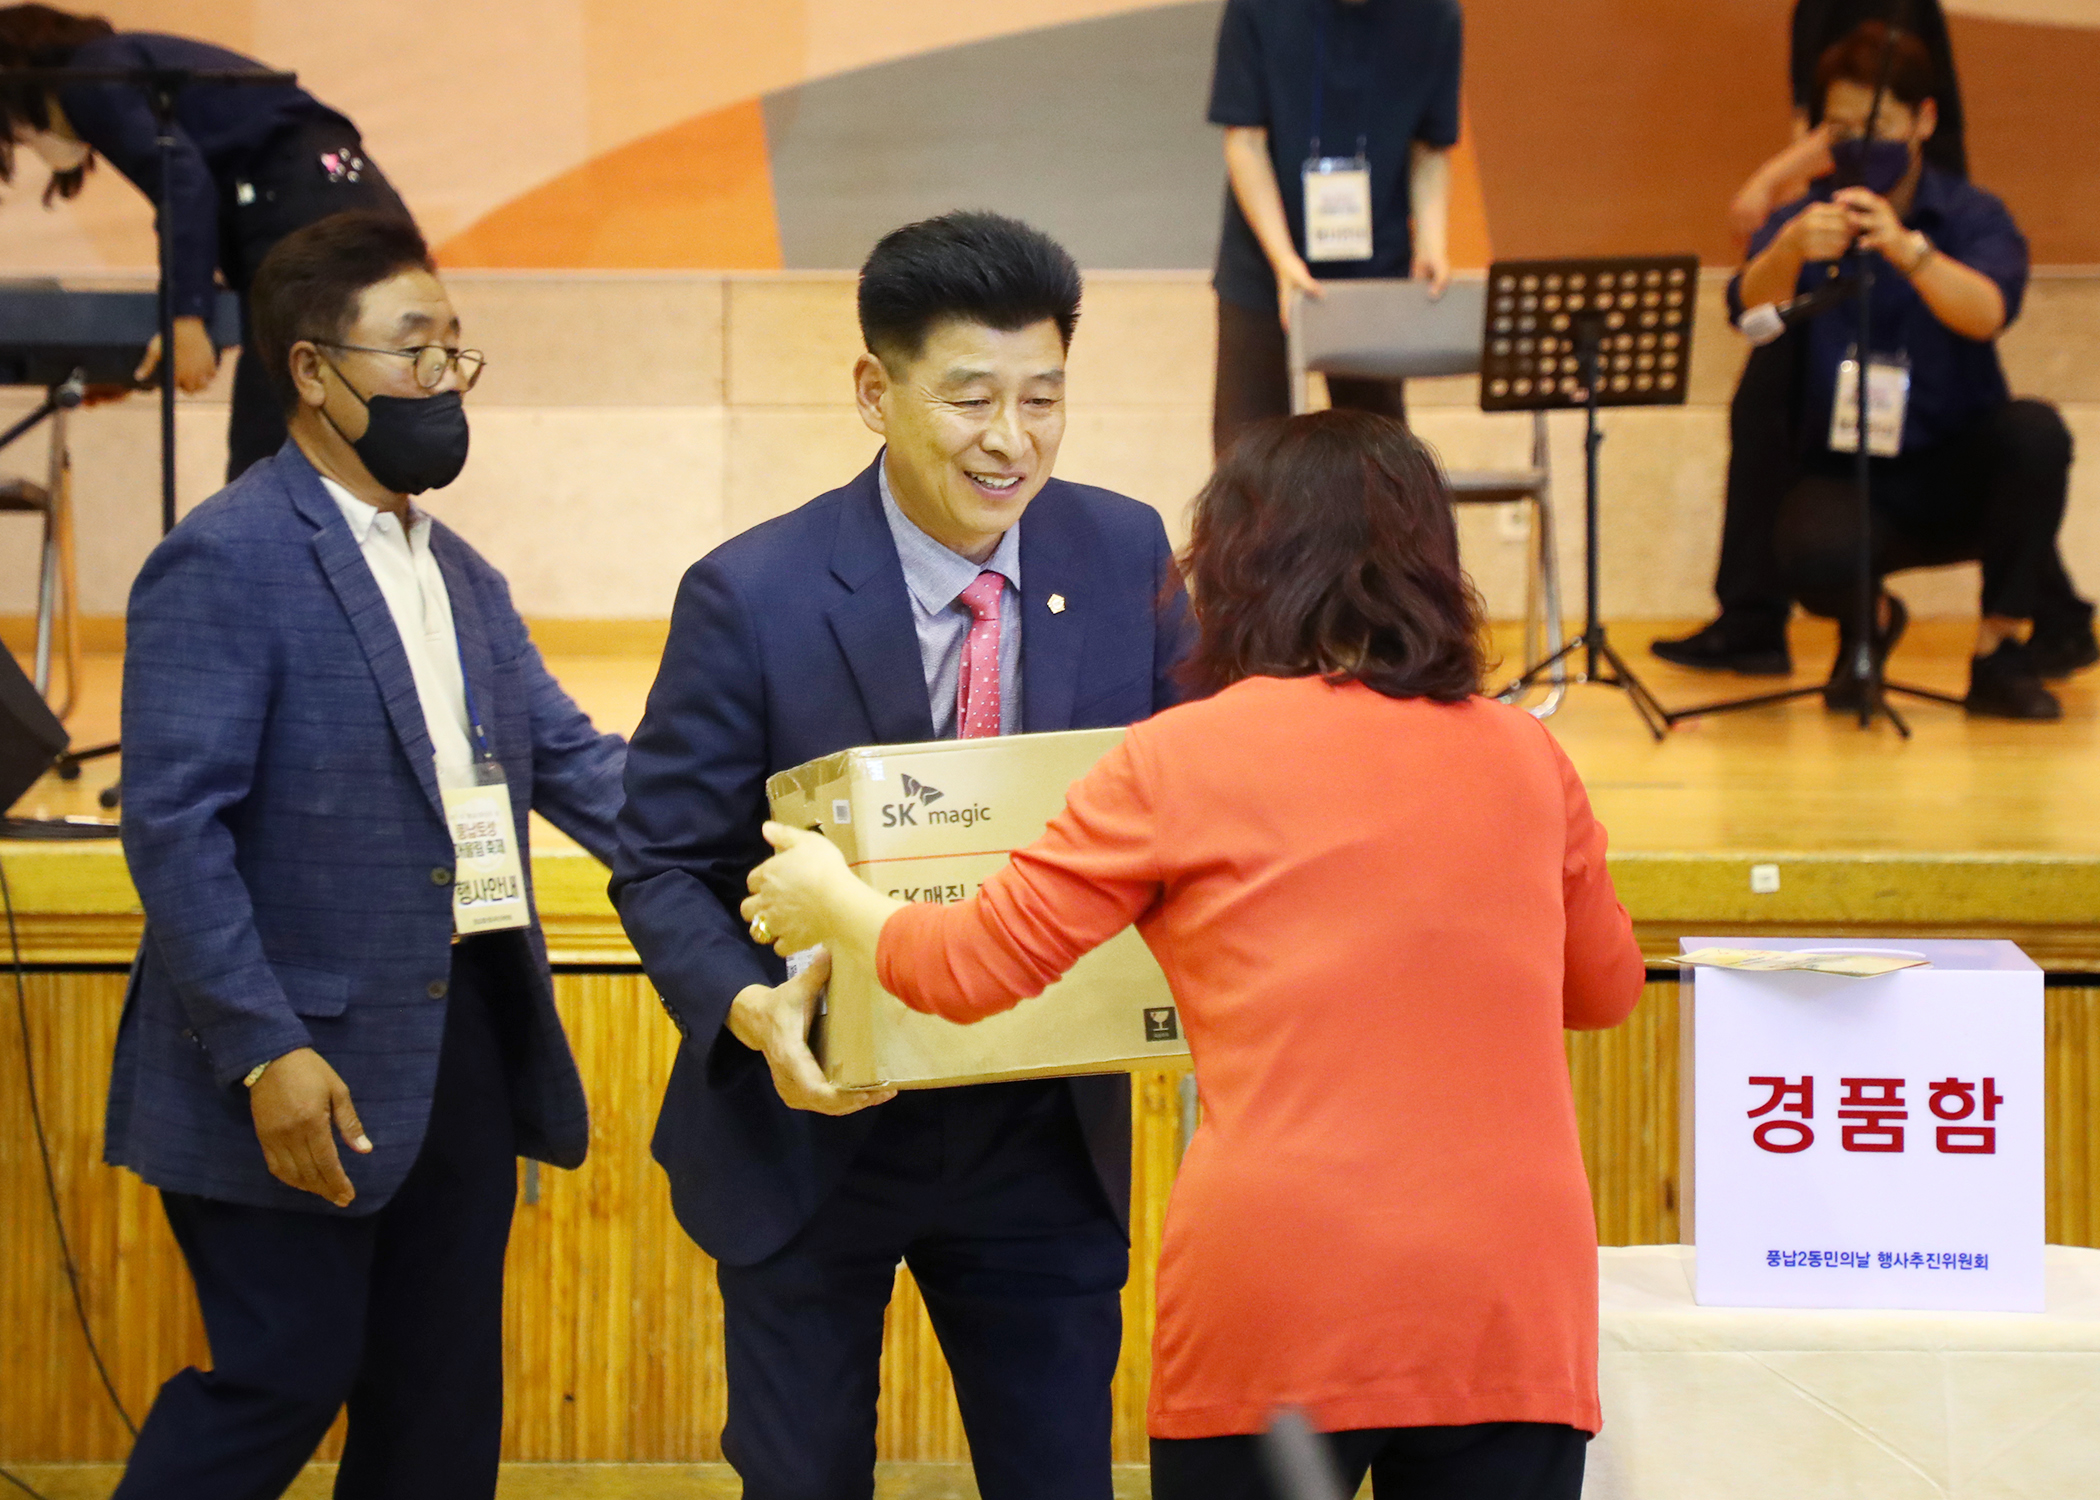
point(1360, 96)
point(252, 163)
point(1976, 475)
point(952, 589)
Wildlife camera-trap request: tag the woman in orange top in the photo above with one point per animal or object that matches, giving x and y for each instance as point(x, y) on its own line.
point(1378, 897)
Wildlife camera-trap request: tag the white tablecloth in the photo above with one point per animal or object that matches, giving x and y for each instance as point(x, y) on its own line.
point(1719, 1403)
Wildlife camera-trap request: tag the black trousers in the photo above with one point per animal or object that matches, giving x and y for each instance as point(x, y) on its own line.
point(397, 1313)
point(1994, 493)
point(1488, 1461)
point(1253, 379)
point(1762, 466)
point(290, 188)
point(988, 1195)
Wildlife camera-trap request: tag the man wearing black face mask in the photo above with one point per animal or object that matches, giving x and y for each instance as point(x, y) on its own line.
point(335, 727)
point(410, 443)
point(1961, 470)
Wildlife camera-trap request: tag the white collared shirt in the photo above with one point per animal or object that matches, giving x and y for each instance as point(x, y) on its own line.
point(414, 589)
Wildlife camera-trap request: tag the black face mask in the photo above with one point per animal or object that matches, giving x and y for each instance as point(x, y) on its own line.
point(1879, 167)
point(411, 444)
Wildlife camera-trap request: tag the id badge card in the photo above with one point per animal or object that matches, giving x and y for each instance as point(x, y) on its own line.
point(1337, 208)
point(1888, 398)
point(488, 879)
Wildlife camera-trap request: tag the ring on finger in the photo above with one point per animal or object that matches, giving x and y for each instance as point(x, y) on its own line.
point(761, 933)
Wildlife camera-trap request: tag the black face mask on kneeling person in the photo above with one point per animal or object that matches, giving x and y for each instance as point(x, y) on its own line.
point(410, 444)
point(1877, 166)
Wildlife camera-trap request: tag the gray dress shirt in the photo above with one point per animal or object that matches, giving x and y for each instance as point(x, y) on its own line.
point(935, 578)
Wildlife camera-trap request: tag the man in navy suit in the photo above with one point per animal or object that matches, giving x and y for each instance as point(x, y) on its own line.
point(335, 727)
point(915, 603)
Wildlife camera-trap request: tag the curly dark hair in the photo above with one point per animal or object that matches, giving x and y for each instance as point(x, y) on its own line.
point(1324, 545)
point(40, 36)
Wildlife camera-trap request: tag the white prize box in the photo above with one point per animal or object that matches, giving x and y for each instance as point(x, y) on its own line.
point(1868, 1142)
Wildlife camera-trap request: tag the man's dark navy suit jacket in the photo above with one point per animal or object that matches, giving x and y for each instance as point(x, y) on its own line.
point(284, 827)
point(793, 641)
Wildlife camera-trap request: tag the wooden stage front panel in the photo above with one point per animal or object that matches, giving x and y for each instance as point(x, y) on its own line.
point(614, 1328)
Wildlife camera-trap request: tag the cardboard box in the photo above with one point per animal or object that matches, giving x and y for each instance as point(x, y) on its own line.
point(931, 823)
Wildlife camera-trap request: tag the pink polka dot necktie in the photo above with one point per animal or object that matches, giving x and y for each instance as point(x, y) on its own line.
point(977, 706)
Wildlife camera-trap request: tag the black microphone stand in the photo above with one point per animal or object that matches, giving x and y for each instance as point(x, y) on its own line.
point(1866, 617)
point(163, 88)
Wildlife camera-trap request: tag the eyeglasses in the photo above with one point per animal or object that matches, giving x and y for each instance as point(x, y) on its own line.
point(430, 361)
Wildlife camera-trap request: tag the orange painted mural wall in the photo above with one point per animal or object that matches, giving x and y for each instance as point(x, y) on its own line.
point(629, 133)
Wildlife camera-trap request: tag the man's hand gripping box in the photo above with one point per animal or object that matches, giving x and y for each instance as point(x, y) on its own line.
point(931, 823)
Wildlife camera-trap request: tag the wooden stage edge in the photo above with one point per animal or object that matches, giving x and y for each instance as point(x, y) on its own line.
point(1971, 829)
point(74, 904)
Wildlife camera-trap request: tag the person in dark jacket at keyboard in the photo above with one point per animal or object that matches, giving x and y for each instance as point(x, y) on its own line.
point(252, 163)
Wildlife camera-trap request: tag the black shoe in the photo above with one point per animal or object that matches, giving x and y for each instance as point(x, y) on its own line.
point(2059, 647)
point(2005, 685)
point(1845, 691)
point(1727, 646)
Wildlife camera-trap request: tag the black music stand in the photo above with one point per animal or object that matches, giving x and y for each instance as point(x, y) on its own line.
point(1874, 685)
point(1590, 333)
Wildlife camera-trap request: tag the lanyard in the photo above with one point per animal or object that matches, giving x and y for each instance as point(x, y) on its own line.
point(1319, 98)
point(482, 750)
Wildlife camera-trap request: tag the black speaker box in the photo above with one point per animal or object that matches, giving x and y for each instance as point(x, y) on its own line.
point(30, 734)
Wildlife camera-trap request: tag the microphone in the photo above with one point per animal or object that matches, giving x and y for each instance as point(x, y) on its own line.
point(1768, 320)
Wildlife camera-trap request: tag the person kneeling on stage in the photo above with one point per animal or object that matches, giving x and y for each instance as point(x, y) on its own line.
point(1960, 471)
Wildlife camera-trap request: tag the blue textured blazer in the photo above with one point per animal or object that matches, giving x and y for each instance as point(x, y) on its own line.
point(796, 640)
point(283, 827)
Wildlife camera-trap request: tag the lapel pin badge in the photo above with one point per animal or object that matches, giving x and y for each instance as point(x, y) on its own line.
point(1057, 604)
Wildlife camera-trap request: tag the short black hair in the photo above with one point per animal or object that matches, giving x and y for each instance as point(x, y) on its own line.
point(308, 286)
point(1856, 58)
point(978, 267)
point(40, 36)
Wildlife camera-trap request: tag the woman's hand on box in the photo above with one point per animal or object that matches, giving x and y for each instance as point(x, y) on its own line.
point(805, 895)
point(797, 895)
